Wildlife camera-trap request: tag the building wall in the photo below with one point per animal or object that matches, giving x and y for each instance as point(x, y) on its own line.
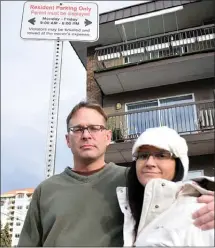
point(16, 217)
point(202, 89)
point(21, 207)
point(5, 210)
point(93, 91)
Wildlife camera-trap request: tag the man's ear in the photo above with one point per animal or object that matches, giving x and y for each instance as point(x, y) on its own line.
point(67, 139)
point(109, 136)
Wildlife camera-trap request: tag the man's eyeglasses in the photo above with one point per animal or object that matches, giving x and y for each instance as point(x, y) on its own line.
point(162, 155)
point(92, 129)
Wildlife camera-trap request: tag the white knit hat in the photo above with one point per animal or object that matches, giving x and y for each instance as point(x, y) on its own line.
point(167, 139)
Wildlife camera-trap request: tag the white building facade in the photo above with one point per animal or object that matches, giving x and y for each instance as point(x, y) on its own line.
point(14, 207)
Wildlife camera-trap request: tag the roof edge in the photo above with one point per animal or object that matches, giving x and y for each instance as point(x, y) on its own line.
point(108, 12)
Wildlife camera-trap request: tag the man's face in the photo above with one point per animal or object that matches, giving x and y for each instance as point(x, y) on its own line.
point(88, 146)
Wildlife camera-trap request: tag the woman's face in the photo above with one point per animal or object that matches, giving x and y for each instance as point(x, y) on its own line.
point(154, 163)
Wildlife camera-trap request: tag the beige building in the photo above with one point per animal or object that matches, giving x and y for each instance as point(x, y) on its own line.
point(153, 65)
point(14, 206)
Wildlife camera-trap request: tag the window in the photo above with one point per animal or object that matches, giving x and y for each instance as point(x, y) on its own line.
point(195, 173)
point(21, 195)
point(180, 118)
point(19, 207)
point(18, 224)
point(16, 235)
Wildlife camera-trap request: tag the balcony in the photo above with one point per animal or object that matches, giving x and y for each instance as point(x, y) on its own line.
point(11, 207)
point(194, 121)
point(11, 212)
point(12, 202)
point(10, 219)
point(156, 60)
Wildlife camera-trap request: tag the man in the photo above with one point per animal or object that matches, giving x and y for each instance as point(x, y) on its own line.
point(79, 206)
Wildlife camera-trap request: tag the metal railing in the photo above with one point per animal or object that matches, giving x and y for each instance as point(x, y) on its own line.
point(194, 117)
point(176, 43)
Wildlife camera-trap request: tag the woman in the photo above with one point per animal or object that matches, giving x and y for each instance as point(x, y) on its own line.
point(157, 205)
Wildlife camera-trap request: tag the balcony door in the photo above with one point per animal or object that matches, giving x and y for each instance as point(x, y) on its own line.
point(148, 114)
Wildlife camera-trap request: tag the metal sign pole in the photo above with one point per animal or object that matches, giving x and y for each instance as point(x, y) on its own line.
point(53, 110)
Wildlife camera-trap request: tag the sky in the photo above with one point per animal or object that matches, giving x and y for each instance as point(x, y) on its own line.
point(26, 71)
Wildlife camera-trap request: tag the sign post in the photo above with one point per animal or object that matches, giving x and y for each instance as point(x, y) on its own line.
point(58, 21)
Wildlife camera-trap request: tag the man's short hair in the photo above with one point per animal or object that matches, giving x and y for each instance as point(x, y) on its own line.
point(86, 104)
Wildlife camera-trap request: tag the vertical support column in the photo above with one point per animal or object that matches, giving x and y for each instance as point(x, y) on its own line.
point(53, 110)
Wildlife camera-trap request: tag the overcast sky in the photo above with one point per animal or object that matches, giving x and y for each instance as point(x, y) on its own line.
point(26, 68)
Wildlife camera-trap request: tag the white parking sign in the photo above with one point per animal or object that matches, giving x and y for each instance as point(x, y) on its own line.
point(74, 21)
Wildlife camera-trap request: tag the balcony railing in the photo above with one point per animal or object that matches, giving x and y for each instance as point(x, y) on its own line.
point(172, 44)
point(189, 118)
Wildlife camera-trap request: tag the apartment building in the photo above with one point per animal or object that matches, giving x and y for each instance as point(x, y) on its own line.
point(153, 65)
point(14, 206)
